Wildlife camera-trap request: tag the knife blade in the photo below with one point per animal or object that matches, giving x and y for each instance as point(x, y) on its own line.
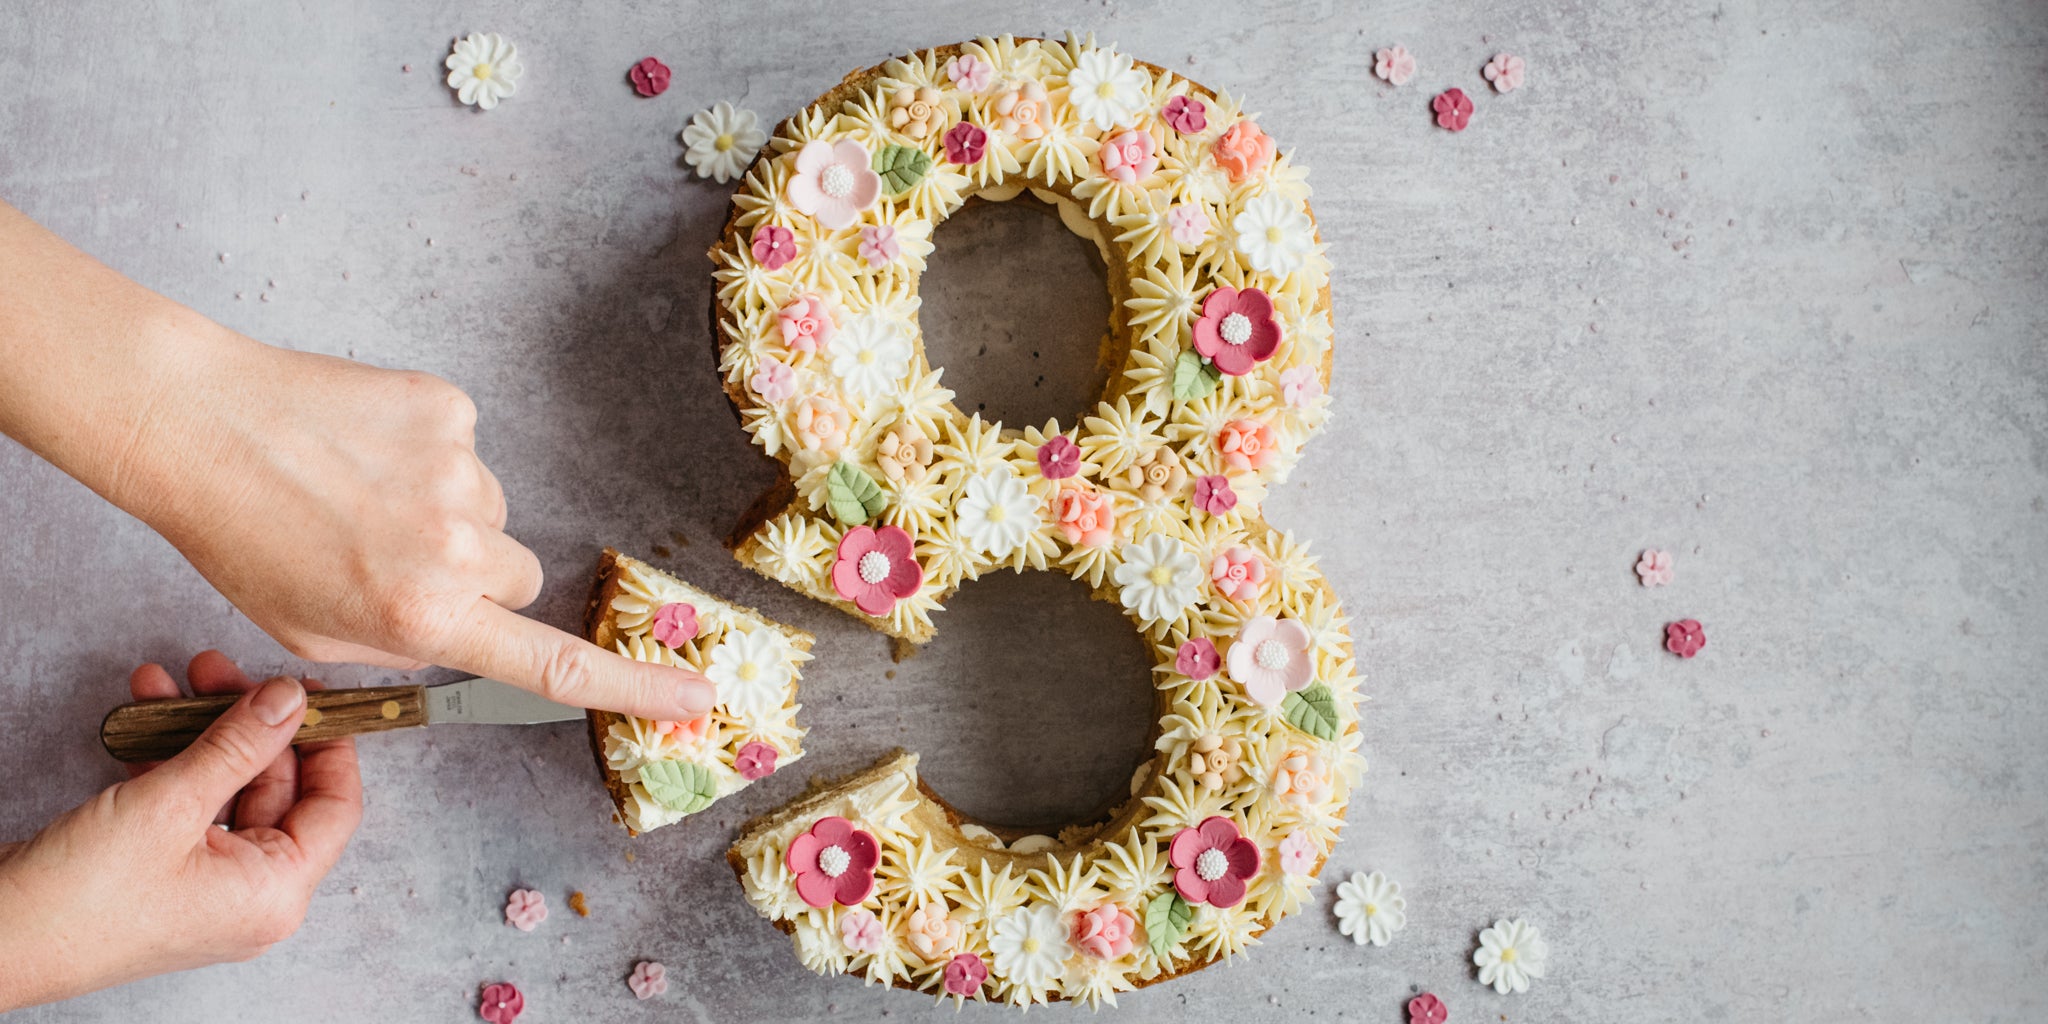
point(155, 730)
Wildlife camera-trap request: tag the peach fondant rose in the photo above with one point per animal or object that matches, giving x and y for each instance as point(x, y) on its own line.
point(1244, 150)
point(1085, 516)
point(932, 934)
point(1022, 112)
point(1245, 444)
point(821, 424)
point(905, 454)
point(1158, 475)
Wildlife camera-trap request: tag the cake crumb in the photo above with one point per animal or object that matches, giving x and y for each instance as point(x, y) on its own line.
point(577, 904)
point(629, 857)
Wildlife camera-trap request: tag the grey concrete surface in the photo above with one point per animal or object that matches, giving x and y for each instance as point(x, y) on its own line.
point(1759, 283)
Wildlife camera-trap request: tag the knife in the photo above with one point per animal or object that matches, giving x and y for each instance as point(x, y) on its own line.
point(156, 730)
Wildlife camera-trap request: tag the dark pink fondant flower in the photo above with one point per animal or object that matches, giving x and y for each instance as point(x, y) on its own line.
point(1214, 495)
point(965, 974)
point(1186, 115)
point(650, 77)
point(876, 568)
point(774, 246)
point(756, 760)
point(1237, 330)
point(1453, 109)
point(500, 1003)
point(675, 624)
point(1212, 862)
point(1685, 637)
point(833, 863)
point(1059, 458)
point(1197, 659)
point(966, 143)
point(1427, 1009)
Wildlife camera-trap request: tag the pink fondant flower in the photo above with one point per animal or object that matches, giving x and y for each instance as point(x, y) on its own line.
point(773, 246)
point(690, 735)
point(650, 77)
point(526, 909)
point(833, 863)
point(1245, 444)
point(1237, 573)
point(1128, 156)
point(807, 323)
point(1453, 109)
point(1059, 457)
point(1214, 495)
point(1197, 659)
point(878, 244)
point(1297, 853)
point(821, 424)
point(876, 568)
point(1244, 151)
point(1505, 71)
point(649, 979)
point(1427, 1009)
point(932, 933)
point(773, 380)
point(675, 624)
point(966, 143)
point(1213, 861)
point(1104, 932)
point(755, 760)
point(1270, 658)
point(833, 182)
point(1084, 515)
point(1654, 568)
point(1300, 386)
point(1186, 115)
point(1394, 64)
point(969, 73)
point(500, 1003)
point(1237, 329)
point(1685, 637)
point(965, 974)
point(1188, 223)
point(860, 930)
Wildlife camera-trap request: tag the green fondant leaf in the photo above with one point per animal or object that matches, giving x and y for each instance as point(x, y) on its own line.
point(1194, 377)
point(1313, 711)
point(902, 167)
point(679, 785)
point(853, 496)
point(1166, 917)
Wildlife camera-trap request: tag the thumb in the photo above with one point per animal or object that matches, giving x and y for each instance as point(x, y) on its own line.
point(238, 745)
point(505, 645)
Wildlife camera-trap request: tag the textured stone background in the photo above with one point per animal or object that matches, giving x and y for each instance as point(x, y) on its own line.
point(1759, 283)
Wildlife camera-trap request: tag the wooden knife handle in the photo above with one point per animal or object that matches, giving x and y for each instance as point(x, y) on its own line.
point(156, 730)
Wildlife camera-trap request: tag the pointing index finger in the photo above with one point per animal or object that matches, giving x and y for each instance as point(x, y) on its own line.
point(502, 644)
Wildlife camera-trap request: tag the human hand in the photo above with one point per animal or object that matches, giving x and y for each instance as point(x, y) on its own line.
point(138, 880)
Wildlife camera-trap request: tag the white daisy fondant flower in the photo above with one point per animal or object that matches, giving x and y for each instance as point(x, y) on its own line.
point(1159, 577)
point(871, 353)
point(1274, 234)
point(1030, 947)
point(997, 513)
point(752, 670)
point(1510, 954)
point(719, 142)
point(483, 69)
point(1370, 908)
point(1106, 90)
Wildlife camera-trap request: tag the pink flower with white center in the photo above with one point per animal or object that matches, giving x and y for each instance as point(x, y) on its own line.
point(878, 245)
point(1237, 573)
point(966, 143)
point(1245, 444)
point(1300, 386)
point(773, 246)
point(1197, 659)
point(1453, 109)
point(1506, 72)
point(773, 380)
point(1188, 223)
point(1394, 64)
point(650, 77)
point(1128, 156)
point(1213, 861)
point(1427, 1009)
point(965, 975)
point(649, 979)
point(1104, 932)
point(1685, 638)
point(1654, 568)
point(755, 760)
point(1270, 659)
point(1186, 115)
point(860, 930)
point(500, 1003)
point(1059, 457)
point(1298, 854)
point(675, 624)
point(833, 863)
point(876, 568)
point(1214, 495)
point(806, 323)
point(526, 909)
point(969, 73)
point(834, 182)
point(1237, 329)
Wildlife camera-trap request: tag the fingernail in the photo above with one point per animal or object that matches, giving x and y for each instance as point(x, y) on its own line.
point(695, 696)
point(278, 700)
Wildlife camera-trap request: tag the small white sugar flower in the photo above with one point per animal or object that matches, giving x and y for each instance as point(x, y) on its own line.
point(871, 353)
point(998, 512)
point(1159, 577)
point(1370, 908)
point(1030, 947)
point(752, 671)
point(1274, 234)
point(1106, 89)
point(721, 141)
point(483, 69)
point(1510, 953)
